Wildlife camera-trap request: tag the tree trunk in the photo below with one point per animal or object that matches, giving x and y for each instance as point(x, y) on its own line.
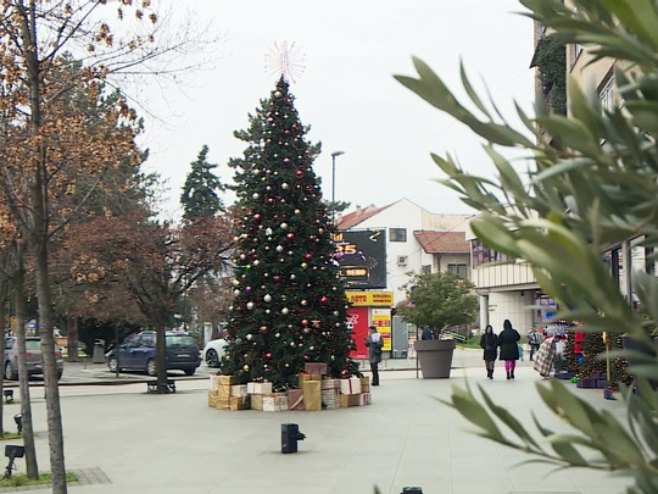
point(160, 353)
point(26, 405)
point(51, 384)
point(37, 234)
point(4, 292)
point(72, 339)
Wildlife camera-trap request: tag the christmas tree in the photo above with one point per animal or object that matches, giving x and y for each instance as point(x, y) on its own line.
point(289, 305)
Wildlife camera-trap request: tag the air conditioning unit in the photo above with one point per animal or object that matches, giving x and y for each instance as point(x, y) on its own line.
point(402, 260)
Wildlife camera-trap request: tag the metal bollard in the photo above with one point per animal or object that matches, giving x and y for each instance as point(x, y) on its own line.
point(412, 490)
point(289, 436)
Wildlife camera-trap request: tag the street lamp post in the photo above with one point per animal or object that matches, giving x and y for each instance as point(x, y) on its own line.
point(333, 184)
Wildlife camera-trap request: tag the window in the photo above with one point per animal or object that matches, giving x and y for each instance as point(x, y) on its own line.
point(461, 270)
point(606, 94)
point(397, 235)
point(483, 255)
point(576, 50)
point(427, 269)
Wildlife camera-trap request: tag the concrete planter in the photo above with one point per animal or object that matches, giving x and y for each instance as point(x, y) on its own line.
point(435, 357)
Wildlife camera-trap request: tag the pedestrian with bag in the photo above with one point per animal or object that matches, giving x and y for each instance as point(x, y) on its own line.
point(489, 345)
point(508, 340)
point(374, 343)
point(534, 340)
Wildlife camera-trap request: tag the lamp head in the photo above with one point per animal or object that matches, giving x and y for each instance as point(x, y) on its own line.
point(337, 153)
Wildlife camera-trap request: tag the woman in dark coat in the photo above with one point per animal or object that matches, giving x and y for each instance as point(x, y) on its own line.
point(509, 347)
point(489, 343)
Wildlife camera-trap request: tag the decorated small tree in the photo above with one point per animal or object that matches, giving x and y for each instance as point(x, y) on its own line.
point(289, 305)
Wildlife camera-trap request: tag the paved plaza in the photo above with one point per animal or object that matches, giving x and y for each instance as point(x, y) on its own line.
point(122, 440)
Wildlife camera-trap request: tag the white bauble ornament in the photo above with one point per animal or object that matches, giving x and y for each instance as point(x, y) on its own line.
point(285, 311)
point(255, 195)
point(268, 231)
point(279, 248)
point(284, 226)
point(236, 292)
point(267, 297)
point(249, 337)
point(285, 186)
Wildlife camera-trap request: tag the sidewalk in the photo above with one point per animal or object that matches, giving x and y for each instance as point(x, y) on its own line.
point(171, 444)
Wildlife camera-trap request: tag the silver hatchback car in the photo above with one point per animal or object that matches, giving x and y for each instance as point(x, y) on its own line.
point(32, 356)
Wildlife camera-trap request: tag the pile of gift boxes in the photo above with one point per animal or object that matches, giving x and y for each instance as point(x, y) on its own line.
point(315, 392)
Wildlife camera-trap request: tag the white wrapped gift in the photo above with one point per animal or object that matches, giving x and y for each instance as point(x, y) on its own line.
point(351, 386)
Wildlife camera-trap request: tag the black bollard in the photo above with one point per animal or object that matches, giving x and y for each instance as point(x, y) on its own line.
point(412, 490)
point(289, 436)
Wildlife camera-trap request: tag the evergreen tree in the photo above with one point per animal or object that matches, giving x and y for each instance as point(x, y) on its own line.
point(289, 306)
point(199, 197)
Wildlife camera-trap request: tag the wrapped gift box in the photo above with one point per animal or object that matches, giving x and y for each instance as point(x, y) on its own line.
point(312, 396)
point(239, 390)
point(315, 368)
point(224, 384)
point(262, 388)
point(213, 396)
point(364, 399)
point(257, 402)
point(349, 400)
point(251, 388)
point(303, 377)
point(269, 404)
point(223, 403)
point(281, 401)
point(239, 402)
point(330, 393)
point(365, 384)
point(214, 383)
point(351, 386)
point(295, 399)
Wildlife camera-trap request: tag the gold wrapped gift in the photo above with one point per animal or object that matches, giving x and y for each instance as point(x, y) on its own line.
point(312, 396)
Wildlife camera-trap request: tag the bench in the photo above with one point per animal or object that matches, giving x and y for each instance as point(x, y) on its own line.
point(168, 387)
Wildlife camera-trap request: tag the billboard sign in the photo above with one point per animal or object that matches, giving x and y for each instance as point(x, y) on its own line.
point(361, 257)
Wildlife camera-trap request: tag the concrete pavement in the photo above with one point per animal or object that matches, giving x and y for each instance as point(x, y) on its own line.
point(124, 440)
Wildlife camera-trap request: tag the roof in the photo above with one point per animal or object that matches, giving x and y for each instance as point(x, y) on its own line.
point(442, 242)
point(350, 220)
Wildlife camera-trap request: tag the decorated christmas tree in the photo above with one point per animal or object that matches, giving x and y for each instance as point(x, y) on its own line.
point(289, 305)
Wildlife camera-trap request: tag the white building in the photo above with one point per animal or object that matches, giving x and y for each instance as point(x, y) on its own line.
point(416, 240)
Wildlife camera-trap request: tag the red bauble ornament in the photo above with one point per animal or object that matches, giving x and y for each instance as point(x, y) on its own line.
point(299, 173)
point(257, 217)
point(263, 329)
point(323, 300)
point(308, 256)
point(276, 278)
point(290, 236)
point(304, 322)
point(267, 356)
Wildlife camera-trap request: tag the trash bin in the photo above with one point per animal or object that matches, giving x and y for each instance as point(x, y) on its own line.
point(98, 357)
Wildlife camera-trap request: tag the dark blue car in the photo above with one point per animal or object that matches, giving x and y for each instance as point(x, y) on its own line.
point(137, 353)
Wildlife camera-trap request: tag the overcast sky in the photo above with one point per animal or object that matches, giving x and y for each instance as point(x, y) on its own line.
point(347, 93)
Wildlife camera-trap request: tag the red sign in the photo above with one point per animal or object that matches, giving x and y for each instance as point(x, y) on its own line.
point(357, 320)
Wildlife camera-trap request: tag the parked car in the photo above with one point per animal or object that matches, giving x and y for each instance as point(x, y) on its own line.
point(33, 357)
point(213, 352)
point(137, 353)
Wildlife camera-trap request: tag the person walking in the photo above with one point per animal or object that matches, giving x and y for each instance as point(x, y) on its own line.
point(509, 348)
point(374, 343)
point(489, 345)
point(534, 340)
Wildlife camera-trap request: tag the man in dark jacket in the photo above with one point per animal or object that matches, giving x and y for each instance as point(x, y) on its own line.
point(374, 343)
point(508, 340)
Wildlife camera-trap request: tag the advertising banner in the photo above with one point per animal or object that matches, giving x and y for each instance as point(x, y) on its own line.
point(357, 321)
point(370, 299)
point(381, 319)
point(361, 257)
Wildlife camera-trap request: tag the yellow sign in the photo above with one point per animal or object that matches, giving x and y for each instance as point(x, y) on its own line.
point(370, 299)
point(382, 320)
